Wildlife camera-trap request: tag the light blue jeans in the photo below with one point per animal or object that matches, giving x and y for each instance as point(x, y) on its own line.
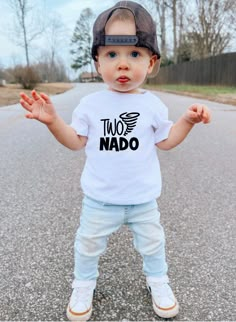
point(99, 220)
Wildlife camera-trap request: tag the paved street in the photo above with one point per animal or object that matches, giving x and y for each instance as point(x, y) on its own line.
point(39, 214)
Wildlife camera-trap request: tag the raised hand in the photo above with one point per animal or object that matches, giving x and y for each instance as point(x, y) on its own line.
point(39, 107)
point(197, 113)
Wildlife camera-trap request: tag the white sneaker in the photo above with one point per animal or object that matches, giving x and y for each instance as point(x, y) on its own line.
point(80, 305)
point(164, 302)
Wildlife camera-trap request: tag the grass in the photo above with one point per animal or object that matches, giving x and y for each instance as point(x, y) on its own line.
point(198, 89)
point(10, 94)
point(221, 94)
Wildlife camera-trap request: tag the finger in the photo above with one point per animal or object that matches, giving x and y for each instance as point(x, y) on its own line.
point(206, 117)
point(26, 105)
point(35, 95)
point(193, 107)
point(200, 110)
point(27, 98)
point(193, 115)
point(197, 108)
point(46, 98)
point(29, 116)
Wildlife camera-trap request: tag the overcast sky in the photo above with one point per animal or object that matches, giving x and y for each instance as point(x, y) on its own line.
point(67, 11)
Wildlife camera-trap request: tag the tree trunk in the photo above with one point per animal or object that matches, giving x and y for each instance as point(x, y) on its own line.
point(22, 14)
point(174, 31)
point(26, 46)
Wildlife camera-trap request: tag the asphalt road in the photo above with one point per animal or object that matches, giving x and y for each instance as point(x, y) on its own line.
point(39, 214)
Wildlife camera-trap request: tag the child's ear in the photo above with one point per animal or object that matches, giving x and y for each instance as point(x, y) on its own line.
point(153, 60)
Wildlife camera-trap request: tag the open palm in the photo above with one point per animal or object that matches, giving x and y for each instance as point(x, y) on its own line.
point(39, 107)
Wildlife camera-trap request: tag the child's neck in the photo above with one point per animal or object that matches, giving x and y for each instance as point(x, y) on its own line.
point(136, 91)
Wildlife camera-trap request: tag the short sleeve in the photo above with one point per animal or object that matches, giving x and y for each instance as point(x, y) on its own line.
point(80, 121)
point(162, 132)
point(163, 124)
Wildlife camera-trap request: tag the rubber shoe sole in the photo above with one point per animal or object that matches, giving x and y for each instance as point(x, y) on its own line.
point(165, 313)
point(84, 316)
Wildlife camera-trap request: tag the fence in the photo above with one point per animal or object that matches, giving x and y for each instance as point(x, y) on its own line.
point(215, 70)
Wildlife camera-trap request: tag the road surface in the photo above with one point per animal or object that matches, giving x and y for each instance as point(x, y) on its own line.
point(39, 215)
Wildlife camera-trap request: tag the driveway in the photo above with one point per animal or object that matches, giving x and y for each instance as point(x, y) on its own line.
point(39, 214)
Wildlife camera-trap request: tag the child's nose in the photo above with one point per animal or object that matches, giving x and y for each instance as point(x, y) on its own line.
point(123, 64)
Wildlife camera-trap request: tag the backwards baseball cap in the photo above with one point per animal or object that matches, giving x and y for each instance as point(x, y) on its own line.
point(145, 31)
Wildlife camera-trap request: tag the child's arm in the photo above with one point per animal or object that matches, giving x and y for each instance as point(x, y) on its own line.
point(40, 108)
point(195, 114)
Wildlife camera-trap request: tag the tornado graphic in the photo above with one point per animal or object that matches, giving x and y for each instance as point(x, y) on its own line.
point(130, 119)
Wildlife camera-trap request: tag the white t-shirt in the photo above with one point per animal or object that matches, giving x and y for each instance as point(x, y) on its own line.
point(122, 166)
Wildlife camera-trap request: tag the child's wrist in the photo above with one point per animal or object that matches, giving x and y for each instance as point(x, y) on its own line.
point(188, 120)
point(53, 122)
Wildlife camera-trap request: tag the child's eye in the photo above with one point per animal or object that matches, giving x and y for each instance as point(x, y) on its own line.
point(112, 54)
point(135, 54)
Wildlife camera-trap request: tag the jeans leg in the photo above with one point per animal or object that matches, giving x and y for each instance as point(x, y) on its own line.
point(149, 238)
point(97, 222)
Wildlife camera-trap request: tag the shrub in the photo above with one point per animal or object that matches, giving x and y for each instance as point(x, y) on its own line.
point(26, 76)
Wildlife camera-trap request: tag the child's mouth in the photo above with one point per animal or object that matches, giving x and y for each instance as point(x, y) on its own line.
point(123, 79)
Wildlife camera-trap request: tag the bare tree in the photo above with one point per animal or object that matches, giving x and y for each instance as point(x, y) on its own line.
point(171, 4)
point(211, 26)
point(55, 36)
point(51, 73)
point(26, 28)
point(157, 8)
point(161, 10)
point(182, 13)
point(174, 15)
point(177, 9)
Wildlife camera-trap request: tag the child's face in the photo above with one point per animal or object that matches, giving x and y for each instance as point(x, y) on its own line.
point(124, 68)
